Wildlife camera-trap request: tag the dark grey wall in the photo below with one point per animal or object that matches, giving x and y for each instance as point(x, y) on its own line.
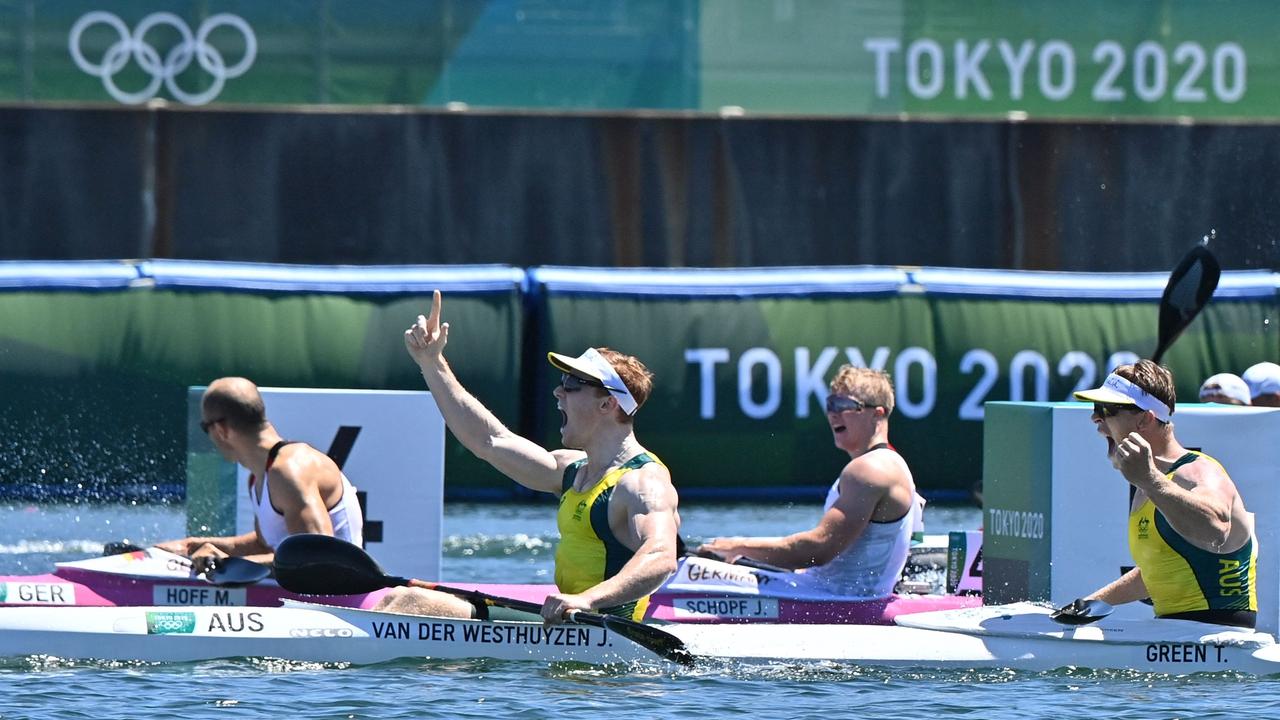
point(607, 190)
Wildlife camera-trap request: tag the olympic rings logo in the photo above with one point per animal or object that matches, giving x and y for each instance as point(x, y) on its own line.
point(171, 623)
point(191, 47)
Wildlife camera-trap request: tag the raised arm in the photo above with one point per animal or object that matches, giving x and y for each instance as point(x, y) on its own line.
point(470, 421)
point(1199, 502)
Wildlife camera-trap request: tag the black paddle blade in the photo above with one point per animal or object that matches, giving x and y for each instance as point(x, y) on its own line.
point(236, 572)
point(313, 564)
point(1081, 612)
point(659, 641)
point(119, 548)
point(1190, 286)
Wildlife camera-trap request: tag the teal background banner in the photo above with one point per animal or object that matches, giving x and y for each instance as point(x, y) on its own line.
point(1041, 59)
point(1036, 58)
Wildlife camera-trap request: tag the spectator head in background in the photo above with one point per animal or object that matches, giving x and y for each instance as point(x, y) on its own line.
point(1264, 384)
point(1225, 388)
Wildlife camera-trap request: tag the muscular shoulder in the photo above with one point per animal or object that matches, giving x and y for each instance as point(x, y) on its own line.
point(566, 457)
point(649, 485)
point(300, 463)
point(883, 469)
point(1205, 475)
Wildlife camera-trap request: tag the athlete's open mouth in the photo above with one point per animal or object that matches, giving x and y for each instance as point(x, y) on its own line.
point(837, 428)
point(564, 418)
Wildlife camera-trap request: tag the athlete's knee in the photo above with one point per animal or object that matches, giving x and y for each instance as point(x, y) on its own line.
point(399, 599)
point(417, 601)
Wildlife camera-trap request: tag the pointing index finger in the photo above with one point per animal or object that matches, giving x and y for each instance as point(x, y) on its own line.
point(433, 320)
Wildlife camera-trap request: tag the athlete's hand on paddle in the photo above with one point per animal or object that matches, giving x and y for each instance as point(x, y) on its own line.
point(181, 547)
point(1081, 611)
point(426, 339)
point(206, 558)
point(1134, 459)
point(557, 607)
point(723, 549)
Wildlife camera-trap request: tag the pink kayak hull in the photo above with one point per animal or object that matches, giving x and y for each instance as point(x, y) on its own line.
point(725, 608)
point(83, 588)
point(701, 591)
point(70, 586)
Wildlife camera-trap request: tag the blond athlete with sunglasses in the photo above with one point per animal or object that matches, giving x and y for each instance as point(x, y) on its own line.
point(861, 544)
point(617, 519)
point(1189, 532)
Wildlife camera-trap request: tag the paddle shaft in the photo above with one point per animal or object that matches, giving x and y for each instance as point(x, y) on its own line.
point(658, 641)
point(579, 616)
point(315, 564)
point(473, 595)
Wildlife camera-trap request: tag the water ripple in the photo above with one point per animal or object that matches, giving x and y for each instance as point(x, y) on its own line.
point(501, 543)
point(52, 547)
point(495, 546)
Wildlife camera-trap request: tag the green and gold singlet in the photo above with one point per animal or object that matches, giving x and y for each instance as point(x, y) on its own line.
point(1185, 581)
point(588, 553)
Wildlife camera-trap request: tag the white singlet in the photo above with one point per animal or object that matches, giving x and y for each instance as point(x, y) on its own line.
point(348, 522)
point(872, 565)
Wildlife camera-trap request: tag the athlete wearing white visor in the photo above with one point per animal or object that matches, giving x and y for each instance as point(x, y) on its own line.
point(1190, 535)
point(617, 512)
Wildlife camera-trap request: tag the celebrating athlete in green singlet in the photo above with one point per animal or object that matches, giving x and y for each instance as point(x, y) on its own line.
point(1189, 532)
point(618, 520)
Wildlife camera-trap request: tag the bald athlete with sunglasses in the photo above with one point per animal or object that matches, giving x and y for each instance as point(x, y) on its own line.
point(861, 544)
point(617, 518)
point(1189, 532)
point(293, 487)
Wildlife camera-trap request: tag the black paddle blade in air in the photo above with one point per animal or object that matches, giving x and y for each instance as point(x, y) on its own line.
point(1190, 286)
point(313, 564)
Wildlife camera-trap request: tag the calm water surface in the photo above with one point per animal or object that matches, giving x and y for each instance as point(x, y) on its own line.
point(514, 543)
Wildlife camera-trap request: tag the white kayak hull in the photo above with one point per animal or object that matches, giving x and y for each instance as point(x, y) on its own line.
point(1017, 637)
point(297, 632)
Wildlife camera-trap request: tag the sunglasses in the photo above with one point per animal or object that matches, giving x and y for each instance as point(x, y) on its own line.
point(206, 424)
point(573, 383)
point(840, 404)
point(1110, 410)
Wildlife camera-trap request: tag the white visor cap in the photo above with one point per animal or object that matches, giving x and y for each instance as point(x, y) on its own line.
point(591, 364)
point(1118, 391)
